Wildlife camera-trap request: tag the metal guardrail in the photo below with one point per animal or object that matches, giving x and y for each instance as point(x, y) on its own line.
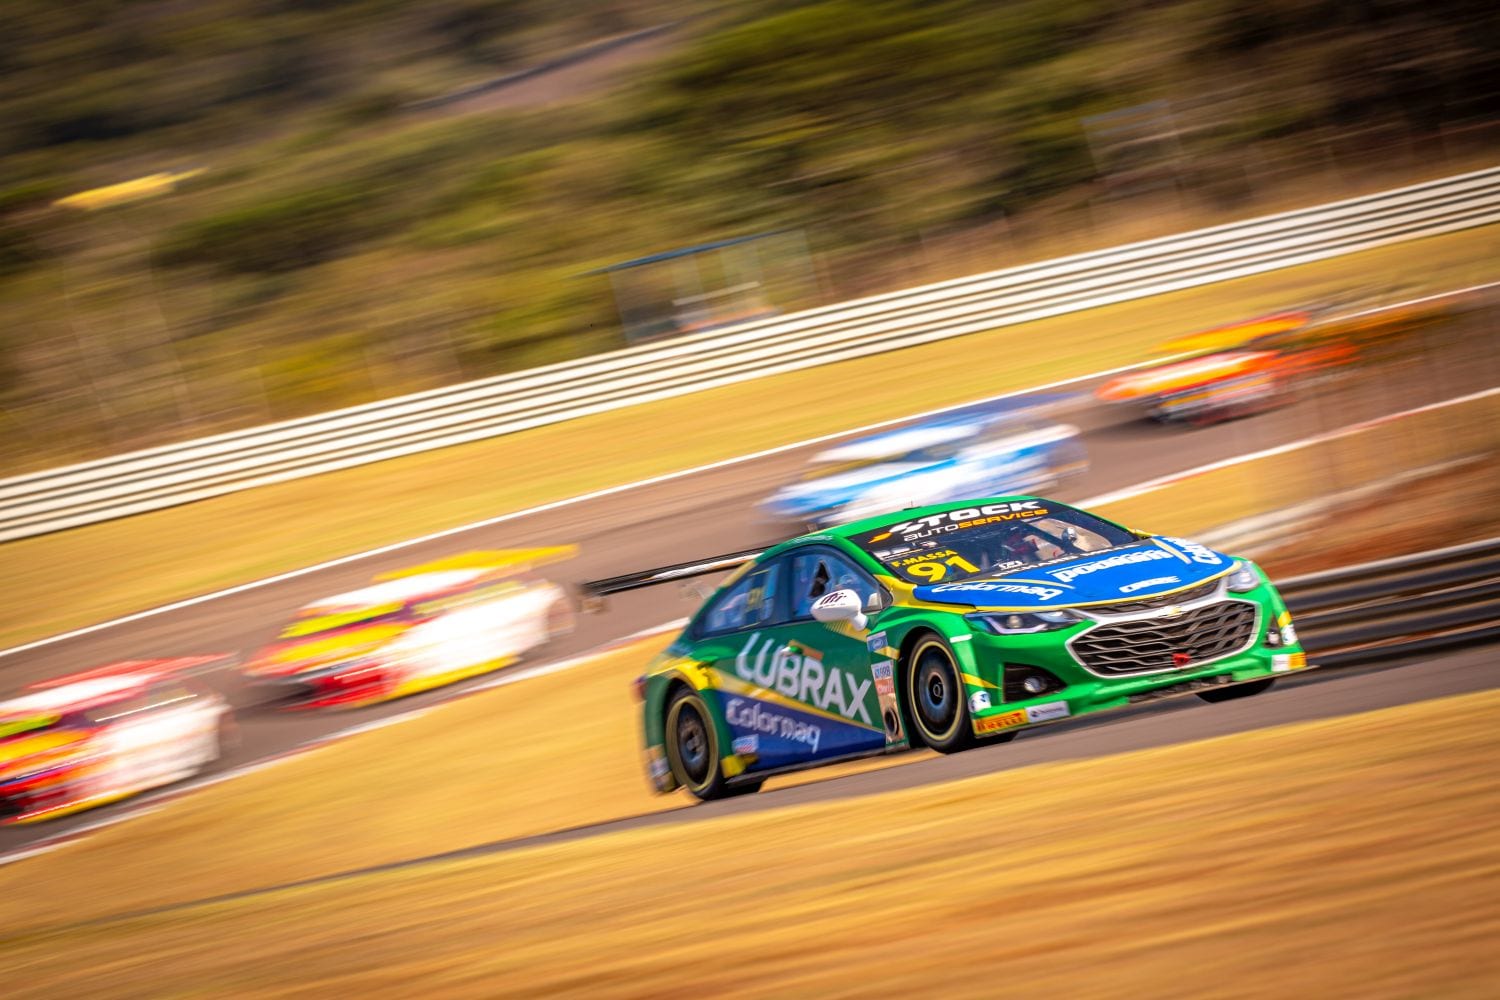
point(173, 474)
point(1373, 611)
point(1399, 607)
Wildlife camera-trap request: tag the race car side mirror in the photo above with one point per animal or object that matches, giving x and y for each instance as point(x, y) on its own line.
point(840, 606)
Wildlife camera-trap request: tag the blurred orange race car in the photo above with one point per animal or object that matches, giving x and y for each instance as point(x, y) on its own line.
point(1231, 371)
point(413, 630)
point(87, 739)
point(1258, 364)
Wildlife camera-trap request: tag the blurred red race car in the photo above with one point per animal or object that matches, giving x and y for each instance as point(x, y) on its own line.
point(87, 739)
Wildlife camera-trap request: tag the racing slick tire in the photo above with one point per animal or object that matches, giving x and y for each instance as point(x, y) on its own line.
point(743, 788)
point(935, 697)
point(1216, 695)
point(693, 749)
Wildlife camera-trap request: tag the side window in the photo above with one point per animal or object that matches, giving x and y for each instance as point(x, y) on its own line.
point(749, 603)
point(818, 572)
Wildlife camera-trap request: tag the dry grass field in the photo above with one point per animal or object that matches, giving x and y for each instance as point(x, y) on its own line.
point(1353, 857)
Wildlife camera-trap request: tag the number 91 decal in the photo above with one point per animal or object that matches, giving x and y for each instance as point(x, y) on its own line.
point(933, 569)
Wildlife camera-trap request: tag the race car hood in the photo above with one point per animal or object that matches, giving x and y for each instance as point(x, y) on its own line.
point(289, 658)
point(1144, 569)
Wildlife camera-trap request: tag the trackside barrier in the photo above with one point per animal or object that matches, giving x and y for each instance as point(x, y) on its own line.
point(161, 477)
point(1400, 607)
point(1374, 611)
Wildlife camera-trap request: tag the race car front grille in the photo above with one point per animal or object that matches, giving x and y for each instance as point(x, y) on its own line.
point(1160, 601)
point(1177, 642)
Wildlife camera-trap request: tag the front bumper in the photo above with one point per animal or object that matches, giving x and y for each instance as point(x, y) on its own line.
point(53, 792)
point(1085, 699)
point(992, 664)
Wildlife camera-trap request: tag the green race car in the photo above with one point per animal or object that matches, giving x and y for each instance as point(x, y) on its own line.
point(946, 626)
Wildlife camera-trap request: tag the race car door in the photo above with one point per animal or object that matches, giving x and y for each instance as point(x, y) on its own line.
point(797, 690)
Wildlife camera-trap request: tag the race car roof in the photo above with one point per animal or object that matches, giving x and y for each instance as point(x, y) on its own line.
point(100, 685)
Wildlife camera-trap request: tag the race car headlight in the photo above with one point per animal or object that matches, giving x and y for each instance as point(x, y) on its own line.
point(1243, 578)
point(1022, 623)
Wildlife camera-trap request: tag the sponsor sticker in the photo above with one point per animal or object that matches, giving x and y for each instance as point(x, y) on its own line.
point(957, 520)
point(979, 701)
point(1065, 573)
point(995, 723)
point(885, 678)
point(1155, 581)
point(992, 587)
point(876, 642)
point(1283, 663)
point(1199, 553)
point(800, 674)
point(745, 714)
point(746, 744)
point(1048, 712)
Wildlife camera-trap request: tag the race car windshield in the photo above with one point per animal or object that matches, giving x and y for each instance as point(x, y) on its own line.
point(994, 539)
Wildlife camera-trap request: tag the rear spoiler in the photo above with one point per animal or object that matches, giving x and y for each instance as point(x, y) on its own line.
point(496, 561)
point(593, 592)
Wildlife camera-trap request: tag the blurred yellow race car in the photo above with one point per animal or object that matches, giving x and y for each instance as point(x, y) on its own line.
point(413, 630)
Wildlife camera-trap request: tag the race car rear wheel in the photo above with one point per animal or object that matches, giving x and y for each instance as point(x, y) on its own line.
point(935, 697)
point(1234, 691)
point(693, 747)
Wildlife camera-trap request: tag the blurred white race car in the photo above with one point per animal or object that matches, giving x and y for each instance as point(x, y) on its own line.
point(86, 739)
point(987, 449)
point(413, 630)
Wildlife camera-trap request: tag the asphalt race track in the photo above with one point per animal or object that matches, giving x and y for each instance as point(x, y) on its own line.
point(713, 512)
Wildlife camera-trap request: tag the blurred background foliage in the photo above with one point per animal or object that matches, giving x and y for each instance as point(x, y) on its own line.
point(355, 235)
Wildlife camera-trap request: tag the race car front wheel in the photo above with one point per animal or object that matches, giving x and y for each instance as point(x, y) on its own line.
point(935, 697)
point(693, 747)
point(1234, 691)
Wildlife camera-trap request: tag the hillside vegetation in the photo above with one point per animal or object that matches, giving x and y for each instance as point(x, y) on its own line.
point(340, 245)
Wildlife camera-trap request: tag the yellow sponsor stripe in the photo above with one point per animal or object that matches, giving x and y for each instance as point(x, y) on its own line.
point(980, 682)
point(429, 681)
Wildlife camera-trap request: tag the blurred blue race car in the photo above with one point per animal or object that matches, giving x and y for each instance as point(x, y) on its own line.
point(1013, 446)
